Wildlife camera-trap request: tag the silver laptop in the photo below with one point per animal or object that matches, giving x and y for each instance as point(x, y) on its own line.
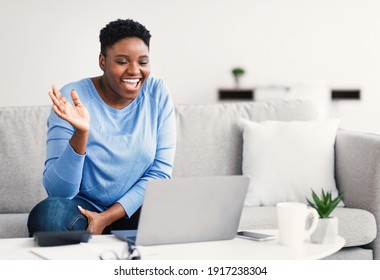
point(189, 209)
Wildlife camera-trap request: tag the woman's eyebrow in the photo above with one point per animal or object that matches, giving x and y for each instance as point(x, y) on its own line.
point(127, 56)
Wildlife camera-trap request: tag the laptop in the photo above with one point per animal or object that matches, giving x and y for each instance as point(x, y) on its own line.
point(189, 209)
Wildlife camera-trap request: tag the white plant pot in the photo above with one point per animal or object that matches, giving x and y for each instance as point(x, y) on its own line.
point(326, 231)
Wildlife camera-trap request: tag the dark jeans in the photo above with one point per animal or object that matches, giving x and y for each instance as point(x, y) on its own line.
point(61, 214)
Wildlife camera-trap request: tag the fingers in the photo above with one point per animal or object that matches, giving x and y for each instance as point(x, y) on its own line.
point(57, 111)
point(58, 95)
point(87, 214)
point(75, 97)
point(58, 107)
point(91, 217)
point(56, 91)
point(58, 100)
point(84, 211)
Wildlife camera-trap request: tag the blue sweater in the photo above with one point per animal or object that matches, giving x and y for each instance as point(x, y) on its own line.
point(125, 149)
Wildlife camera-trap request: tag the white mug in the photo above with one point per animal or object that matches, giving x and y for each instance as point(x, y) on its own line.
point(292, 218)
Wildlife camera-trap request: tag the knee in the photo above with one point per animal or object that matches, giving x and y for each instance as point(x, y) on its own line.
point(54, 214)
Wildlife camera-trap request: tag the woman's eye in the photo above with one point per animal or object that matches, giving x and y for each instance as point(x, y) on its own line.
point(144, 62)
point(122, 62)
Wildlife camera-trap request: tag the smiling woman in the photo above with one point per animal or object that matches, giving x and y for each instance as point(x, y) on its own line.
point(116, 134)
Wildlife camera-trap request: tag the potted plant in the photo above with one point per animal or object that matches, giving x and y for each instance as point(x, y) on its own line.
point(237, 72)
point(327, 229)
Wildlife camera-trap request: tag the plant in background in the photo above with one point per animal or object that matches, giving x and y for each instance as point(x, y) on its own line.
point(237, 72)
point(324, 204)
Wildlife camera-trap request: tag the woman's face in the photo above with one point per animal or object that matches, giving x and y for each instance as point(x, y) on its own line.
point(126, 67)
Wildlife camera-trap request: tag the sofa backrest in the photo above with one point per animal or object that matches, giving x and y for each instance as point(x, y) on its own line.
point(22, 156)
point(209, 140)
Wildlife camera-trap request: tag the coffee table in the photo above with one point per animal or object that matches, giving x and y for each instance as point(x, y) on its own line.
point(235, 249)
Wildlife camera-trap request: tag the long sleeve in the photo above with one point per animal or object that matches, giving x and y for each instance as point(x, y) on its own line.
point(63, 167)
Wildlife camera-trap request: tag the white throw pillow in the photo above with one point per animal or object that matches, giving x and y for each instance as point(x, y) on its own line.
point(285, 160)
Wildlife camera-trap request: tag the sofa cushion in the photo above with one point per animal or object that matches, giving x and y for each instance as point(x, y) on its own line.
point(356, 226)
point(286, 160)
point(13, 225)
point(22, 156)
point(209, 140)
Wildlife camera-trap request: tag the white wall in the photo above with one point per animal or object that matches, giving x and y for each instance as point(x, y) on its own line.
point(195, 43)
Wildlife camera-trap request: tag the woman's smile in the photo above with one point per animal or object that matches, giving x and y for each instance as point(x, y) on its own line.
point(131, 84)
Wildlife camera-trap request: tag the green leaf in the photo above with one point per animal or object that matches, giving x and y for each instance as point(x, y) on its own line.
point(311, 204)
point(324, 204)
point(238, 71)
point(317, 201)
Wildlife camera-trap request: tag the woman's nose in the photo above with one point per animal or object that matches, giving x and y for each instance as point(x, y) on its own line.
point(133, 69)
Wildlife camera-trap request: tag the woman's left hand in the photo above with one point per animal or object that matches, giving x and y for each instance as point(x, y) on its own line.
point(96, 223)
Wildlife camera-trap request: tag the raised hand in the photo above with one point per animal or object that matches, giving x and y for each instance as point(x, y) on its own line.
point(76, 114)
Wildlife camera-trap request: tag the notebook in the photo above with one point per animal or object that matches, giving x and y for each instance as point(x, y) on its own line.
point(189, 209)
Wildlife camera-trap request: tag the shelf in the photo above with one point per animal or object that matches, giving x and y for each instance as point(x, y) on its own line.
point(345, 94)
point(236, 94)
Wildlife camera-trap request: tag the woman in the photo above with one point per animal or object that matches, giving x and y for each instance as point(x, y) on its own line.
point(118, 133)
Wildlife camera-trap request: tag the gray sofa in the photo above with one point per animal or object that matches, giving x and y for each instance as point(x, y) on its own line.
point(208, 143)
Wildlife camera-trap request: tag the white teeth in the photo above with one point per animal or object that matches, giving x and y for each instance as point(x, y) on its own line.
point(131, 80)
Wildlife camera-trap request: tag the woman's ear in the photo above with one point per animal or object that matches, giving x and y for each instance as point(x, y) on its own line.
point(102, 61)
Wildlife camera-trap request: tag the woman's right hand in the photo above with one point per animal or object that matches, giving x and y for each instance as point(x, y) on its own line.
point(77, 115)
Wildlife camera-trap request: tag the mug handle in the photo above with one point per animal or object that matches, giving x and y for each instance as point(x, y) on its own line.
point(314, 224)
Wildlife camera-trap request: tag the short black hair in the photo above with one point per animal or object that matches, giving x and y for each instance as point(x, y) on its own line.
point(120, 29)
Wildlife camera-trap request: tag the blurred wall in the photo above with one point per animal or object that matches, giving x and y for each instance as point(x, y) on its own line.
point(303, 44)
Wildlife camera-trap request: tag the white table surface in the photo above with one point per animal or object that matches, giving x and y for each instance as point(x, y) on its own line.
point(235, 249)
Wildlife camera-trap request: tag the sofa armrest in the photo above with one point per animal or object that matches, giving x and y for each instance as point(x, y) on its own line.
point(357, 168)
